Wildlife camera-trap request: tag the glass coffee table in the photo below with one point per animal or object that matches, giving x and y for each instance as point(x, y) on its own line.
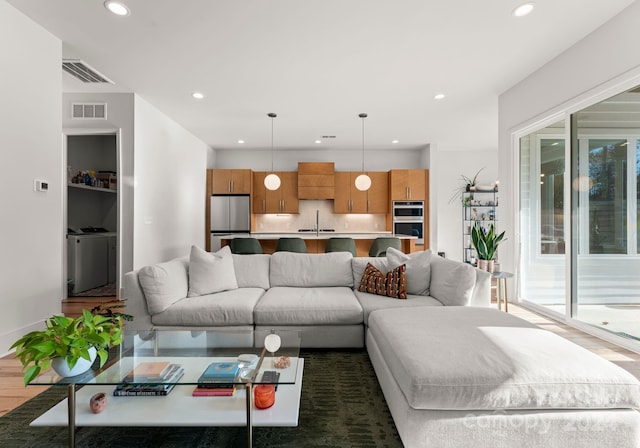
point(194, 352)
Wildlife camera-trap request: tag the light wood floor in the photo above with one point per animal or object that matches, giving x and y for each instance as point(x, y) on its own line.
point(13, 393)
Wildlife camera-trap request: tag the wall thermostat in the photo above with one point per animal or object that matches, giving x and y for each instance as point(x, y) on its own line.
point(40, 185)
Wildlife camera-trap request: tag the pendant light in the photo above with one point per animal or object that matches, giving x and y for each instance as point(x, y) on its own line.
point(363, 182)
point(272, 180)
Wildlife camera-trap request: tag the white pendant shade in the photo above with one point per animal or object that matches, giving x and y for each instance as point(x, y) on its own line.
point(363, 182)
point(272, 181)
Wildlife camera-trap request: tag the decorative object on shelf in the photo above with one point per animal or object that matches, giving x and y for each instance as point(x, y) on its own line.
point(71, 341)
point(363, 182)
point(486, 243)
point(281, 362)
point(264, 395)
point(98, 402)
point(272, 180)
point(469, 184)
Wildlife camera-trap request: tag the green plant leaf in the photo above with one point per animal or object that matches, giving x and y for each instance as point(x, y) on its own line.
point(30, 374)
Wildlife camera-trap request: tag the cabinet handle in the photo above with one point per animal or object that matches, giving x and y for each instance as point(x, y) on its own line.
point(229, 186)
point(409, 192)
point(368, 205)
point(264, 205)
point(232, 186)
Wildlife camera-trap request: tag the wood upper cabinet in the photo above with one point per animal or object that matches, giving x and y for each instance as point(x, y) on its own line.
point(282, 200)
point(348, 199)
point(231, 182)
point(408, 185)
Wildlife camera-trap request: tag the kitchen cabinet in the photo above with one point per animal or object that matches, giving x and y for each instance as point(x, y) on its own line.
point(282, 200)
point(348, 199)
point(231, 181)
point(408, 185)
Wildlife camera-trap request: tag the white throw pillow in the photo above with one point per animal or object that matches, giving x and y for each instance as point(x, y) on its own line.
point(164, 284)
point(211, 272)
point(418, 269)
point(452, 282)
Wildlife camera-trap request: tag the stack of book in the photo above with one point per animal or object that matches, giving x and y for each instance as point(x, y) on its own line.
point(218, 380)
point(149, 379)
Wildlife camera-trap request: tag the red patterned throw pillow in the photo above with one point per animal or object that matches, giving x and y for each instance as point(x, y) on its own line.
point(391, 284)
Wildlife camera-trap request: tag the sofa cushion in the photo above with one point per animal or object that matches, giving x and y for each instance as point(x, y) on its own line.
point(418, 269)
point(452, 282)
point(311, 270)
point(392, 284)
point(372, 302)
point(470, 358)
point(210, 272)
point(252, 271)
point(358, 265)
point(308, 306)
point(234, 307)
point(164, 284)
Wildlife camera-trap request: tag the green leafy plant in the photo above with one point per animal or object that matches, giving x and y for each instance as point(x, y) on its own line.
point(486, 242)
point(467, 184)
point(70, 338)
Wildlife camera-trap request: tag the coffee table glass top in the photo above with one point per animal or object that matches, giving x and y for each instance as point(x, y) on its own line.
point(194, 351)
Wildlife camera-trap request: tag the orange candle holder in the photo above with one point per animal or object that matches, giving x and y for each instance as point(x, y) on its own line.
point(264, 395)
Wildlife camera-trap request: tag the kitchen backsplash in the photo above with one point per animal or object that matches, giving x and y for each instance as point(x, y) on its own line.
point(306, 219)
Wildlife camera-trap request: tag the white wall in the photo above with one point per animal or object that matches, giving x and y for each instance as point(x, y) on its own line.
point(597, 67)
point(31, 225)
point(170, 180)
point(449, 165)
point(345, 160)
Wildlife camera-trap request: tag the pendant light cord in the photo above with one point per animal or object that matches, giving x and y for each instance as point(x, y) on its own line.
point(272, 116)
point(363, 116)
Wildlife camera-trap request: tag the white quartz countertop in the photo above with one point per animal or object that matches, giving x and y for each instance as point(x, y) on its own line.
point(313, 236)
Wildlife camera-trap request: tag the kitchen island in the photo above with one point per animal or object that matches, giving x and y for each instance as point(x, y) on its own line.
point(316, 241)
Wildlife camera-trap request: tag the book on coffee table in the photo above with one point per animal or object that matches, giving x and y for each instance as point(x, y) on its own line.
point(149, 371)
point(219, 373)
point(214, 391)
point(173, 374)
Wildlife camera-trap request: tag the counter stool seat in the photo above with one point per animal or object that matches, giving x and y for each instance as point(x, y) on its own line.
point(380, 245)
point(291, 245)
point(341, 244)
point(245, 246)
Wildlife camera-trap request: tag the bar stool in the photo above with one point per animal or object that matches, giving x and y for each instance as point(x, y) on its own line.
point(380, 245)
point(502, 293)
point(245, 246)
point(346, 244)
point(291, 245)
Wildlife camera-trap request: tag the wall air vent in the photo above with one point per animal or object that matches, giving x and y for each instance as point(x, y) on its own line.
point(83, 72)
point(91, 111)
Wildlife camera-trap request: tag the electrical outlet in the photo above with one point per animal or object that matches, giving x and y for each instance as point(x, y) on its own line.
point(40, 185)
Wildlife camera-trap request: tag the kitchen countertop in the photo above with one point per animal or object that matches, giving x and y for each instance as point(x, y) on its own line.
point(313, 236)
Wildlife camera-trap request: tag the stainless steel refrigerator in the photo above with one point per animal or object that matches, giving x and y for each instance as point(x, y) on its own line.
point(229, 214)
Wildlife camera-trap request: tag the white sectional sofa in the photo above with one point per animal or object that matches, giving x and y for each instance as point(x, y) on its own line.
point(313, 293)
point(454, 372)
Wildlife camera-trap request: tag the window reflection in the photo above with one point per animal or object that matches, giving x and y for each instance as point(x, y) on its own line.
point(552, 196)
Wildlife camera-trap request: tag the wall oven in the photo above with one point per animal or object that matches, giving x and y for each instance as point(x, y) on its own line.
point(408, 219)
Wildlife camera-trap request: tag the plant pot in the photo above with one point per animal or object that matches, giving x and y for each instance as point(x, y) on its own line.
point(482, 264)
point(490, 266)
point(60, 366)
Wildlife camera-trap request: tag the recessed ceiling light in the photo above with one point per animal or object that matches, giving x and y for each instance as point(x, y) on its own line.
point(439, 96)
point(119, 9)
point(395, 142)
point(197, 95)
point(523, 10)
point(241, 142)
point(317, 142)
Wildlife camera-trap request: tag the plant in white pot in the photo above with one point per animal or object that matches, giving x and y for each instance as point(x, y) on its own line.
point(70, 345)
point(486, 244)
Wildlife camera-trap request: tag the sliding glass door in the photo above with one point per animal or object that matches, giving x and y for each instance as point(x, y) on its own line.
point(542, 217)
point(585, 190)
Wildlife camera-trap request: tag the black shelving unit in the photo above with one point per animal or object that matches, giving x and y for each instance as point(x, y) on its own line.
point(477, 207)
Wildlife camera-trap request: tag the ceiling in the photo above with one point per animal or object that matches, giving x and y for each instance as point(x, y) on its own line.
point(319, 63)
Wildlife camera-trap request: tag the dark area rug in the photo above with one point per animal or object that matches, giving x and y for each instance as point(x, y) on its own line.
point(341, 406)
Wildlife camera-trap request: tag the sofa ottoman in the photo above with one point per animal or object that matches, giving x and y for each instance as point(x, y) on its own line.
point(477, 377)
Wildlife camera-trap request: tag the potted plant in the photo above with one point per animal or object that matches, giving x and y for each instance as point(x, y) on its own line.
point(468, 184)
point(486, 243)
point(67, 343)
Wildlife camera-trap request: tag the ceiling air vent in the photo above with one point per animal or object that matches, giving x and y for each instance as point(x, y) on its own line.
point(92, 111)
point(82, 71)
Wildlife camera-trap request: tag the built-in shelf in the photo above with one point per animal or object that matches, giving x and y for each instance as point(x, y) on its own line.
point(87, 187)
